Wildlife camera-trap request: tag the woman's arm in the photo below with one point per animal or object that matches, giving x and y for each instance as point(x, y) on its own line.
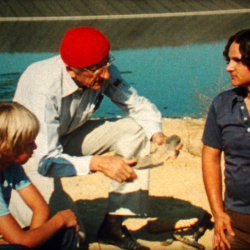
point(211, 169)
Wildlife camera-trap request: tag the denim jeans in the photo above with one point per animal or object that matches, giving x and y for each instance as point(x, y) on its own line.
point(13, 247)
point(65, 239)
point(241, 226)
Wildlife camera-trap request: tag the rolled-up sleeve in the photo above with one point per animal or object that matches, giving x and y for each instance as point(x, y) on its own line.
point(137, 107)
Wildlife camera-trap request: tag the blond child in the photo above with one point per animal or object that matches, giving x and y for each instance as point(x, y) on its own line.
point(18, 130)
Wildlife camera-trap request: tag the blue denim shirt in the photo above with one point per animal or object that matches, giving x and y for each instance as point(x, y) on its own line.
point(14, 178)
point(228, 129)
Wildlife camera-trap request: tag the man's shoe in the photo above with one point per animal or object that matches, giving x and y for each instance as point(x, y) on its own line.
point(126, 241)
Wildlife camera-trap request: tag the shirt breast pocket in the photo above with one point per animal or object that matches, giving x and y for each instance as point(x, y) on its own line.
point(235, 137)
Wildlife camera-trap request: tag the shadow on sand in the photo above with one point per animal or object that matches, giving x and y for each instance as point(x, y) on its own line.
point(92, 213)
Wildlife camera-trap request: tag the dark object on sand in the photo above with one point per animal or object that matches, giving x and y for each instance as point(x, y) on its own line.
point(203, 224)
point(163, 225)
point(161, 154)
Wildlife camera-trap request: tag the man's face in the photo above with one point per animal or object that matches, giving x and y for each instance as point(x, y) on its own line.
point(92, 77)
point(240, 73)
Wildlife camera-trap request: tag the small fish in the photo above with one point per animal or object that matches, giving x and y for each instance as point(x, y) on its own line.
point(161, 154)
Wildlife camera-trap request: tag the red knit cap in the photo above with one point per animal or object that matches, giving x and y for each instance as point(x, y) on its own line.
point(84, 46)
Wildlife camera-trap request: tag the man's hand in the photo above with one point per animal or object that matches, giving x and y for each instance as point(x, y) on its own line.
point(222, 223)
point(114, 167)
point(159, 138)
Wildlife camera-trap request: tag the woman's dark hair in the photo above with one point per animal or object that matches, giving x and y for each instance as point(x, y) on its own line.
point(243, 39)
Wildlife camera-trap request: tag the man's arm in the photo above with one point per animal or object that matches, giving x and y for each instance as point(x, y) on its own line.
point(211, 169)
point(117, 168)
point(144, 112)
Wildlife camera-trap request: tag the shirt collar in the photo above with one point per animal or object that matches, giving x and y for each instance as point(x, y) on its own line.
point(68, 84)
point(239, 96)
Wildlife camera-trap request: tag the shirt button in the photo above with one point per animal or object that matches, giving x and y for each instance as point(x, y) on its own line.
point(245, 118)
point(242, 107)
point(248, 129)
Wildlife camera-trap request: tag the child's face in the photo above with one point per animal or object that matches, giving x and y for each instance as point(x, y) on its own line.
point(23, 157)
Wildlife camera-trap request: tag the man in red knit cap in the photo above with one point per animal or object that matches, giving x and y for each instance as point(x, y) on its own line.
point(64, 92)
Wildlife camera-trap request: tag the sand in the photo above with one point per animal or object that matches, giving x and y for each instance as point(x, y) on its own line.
point(176, 192)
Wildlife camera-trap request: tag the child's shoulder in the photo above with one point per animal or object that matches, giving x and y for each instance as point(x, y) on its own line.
point(14, 168)
point(14, 172)
point(16, 177)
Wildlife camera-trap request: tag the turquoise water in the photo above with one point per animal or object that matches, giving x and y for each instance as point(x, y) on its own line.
point(171, 77)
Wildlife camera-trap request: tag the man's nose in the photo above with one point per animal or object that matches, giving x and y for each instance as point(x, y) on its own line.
point(105, 73)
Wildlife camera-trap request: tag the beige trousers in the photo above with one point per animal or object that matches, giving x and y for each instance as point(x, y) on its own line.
point(127, 139)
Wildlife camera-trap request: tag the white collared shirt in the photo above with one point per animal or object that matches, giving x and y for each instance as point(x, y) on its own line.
point(61, 106)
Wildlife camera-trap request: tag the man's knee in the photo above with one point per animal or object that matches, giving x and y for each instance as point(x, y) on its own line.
point(123, 136)
point(132, 140)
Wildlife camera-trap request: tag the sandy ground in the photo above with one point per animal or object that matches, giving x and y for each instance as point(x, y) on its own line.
point(176, 192)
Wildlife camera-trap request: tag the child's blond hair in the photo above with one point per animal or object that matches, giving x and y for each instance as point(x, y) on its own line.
point(18, 127)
